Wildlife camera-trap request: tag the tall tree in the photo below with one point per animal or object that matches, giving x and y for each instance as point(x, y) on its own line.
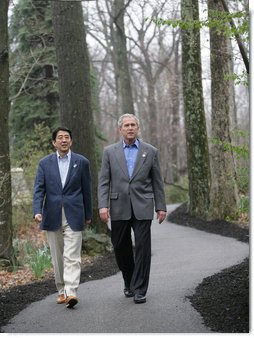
point(195, 123)
point(174, 89)
point(147, 33)
point(101, 28)
point(224, 196)
point(6, 249)
point(74, 86)
point(33, 82)
point(120, 55)
point(223, 6)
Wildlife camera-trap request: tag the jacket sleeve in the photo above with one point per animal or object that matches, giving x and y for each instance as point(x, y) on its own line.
point(104, 181)
point(158, 185)
point(39, 190)
point(87, 190)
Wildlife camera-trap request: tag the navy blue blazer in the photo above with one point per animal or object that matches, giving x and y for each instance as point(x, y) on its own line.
point(75, 197)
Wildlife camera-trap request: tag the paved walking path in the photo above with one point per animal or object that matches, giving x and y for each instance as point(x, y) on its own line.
point(181, 258)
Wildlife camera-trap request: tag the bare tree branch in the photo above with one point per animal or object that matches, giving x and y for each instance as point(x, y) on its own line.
point(36, 61)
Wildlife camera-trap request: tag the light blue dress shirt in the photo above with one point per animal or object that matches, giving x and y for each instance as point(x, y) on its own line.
point(63, 165)
point(131, 153)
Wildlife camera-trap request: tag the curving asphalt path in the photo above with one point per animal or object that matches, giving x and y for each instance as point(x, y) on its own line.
point(181, 258)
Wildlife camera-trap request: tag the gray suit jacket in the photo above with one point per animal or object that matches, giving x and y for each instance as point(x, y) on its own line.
point(142, 191)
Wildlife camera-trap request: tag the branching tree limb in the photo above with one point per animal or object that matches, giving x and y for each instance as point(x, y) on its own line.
point(238, 38)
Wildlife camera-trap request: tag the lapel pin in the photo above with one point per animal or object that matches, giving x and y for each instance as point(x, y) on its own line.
point(75, 165)
point(144, 155)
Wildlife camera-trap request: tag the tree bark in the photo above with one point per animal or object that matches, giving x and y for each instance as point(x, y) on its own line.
point(75, 88)
point(175, 88)
point(223, 6)
point(6, 231)
point(195, 123)
point(224, 196)
point(122, 65)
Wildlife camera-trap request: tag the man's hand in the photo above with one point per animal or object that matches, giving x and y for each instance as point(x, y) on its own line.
point(88, 221)
point(38, 218)
point(104, 214)
point(161, 215)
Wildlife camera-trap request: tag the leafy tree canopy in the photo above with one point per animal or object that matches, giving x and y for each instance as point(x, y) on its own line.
point(33, 80)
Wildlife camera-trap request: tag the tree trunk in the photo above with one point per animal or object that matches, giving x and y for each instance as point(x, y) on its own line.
point(74, 86)
point(233, 111)
point(122, 66)
point(224, 195)
point(6, 249)
point(175, 88)
point(242, 49)
point(152, 113)
point(195, 124)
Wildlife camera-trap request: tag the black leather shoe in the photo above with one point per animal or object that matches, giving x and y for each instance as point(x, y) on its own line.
point(139, 299)
point(128, 293)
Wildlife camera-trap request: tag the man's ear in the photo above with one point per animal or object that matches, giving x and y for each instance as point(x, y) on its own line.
point(53, 143)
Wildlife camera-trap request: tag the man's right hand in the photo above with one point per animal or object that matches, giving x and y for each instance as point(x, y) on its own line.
point(38, 218)
point(104, 214)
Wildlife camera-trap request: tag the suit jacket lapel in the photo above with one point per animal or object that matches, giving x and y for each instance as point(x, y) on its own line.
point(119, 154)
point(55, 169)
point(71, 168)
point(141, 157)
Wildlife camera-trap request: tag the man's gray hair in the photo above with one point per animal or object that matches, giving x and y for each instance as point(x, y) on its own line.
point(120, 121)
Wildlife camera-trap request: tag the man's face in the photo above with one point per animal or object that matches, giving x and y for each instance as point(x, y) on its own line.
point(129, 130)
point(62, 142)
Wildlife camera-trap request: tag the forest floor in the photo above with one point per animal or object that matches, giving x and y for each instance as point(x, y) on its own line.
point(221, 299)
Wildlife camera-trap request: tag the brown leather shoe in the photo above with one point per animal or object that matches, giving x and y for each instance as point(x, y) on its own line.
point(60, 299)
point(71, 301)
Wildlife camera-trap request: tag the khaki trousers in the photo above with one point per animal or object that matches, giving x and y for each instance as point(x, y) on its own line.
point(65, 247)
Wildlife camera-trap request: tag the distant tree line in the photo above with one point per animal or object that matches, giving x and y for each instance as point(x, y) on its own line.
point(85, 63)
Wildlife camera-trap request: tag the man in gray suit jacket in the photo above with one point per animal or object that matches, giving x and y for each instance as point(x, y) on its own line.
point(130, 188)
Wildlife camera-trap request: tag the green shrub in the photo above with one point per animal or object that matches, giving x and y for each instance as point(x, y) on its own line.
point(22, 214)
point(243, 179)
point(244, 204)
point(177, 193)
point(39, 259)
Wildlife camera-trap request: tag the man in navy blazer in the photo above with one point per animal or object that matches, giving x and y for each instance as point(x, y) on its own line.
point(62, 204)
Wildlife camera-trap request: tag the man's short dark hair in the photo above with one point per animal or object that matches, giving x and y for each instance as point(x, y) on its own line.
point(54, 134)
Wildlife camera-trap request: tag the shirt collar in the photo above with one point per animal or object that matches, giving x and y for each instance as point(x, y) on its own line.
point(136, 143)
point(68, 155)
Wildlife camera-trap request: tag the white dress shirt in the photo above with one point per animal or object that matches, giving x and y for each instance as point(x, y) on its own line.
point(63, 165)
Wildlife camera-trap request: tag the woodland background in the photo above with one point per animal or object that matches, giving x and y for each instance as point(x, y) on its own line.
point(181, 66)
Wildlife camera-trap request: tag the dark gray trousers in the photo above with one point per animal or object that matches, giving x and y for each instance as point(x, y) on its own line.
point(135, 267)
